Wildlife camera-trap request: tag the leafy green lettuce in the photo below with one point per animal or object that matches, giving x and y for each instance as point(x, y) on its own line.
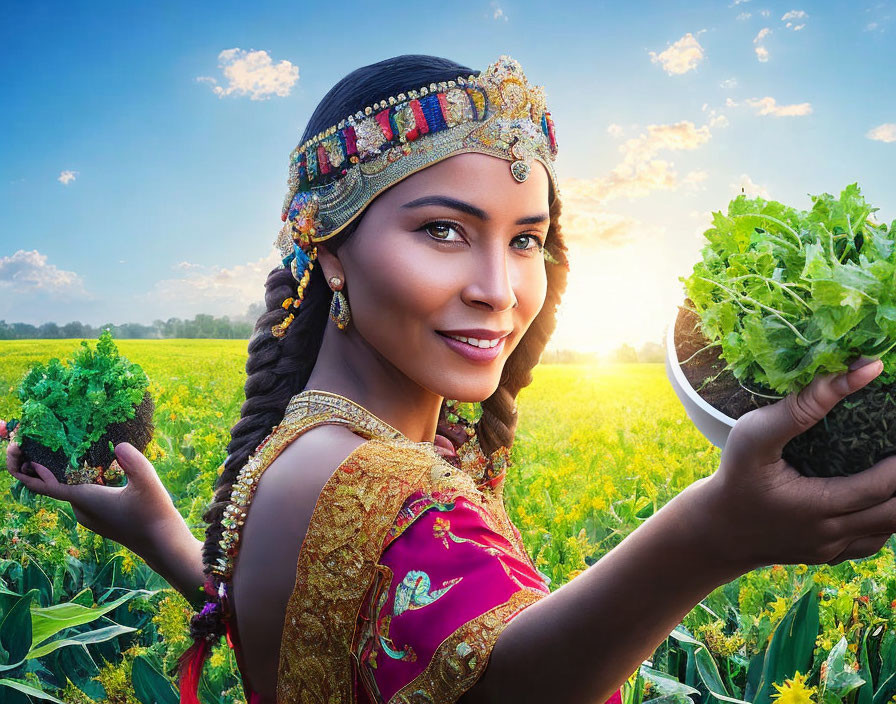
point(789, 294)
point(69, 407)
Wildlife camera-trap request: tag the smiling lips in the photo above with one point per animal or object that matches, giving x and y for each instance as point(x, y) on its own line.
point(476, 345)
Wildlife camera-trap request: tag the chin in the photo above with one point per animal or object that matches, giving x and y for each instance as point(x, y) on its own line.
point(470, 391)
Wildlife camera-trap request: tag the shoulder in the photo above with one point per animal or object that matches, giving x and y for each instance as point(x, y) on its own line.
point(288, 489)
point(310, 458)
point(271, 538)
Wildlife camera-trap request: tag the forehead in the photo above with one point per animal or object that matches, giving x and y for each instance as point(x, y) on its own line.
point(477, 178)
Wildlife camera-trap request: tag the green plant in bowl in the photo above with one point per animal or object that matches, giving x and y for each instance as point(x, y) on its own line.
point(73, 414)
point(782, 295)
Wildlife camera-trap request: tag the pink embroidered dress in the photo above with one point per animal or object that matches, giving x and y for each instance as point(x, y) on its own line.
point(408, 573)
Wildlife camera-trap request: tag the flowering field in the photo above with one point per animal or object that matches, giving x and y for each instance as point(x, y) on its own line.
point(599, 449)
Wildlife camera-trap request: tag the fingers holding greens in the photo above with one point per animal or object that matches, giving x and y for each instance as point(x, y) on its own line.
point(782, 296)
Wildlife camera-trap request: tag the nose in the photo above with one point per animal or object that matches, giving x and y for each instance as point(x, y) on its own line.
point(490, 283)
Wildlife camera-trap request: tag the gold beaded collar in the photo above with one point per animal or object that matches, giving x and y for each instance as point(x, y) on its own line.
point(305, 410)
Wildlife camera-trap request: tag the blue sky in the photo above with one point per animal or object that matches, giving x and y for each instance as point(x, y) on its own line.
point(142, 169)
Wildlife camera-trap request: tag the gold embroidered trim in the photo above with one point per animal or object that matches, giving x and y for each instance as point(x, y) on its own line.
point(337, 562)
point(338, 559)
point(460, 659)
point(305, 410)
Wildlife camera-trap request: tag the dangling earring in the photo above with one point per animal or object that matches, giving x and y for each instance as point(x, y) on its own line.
point(339, 310)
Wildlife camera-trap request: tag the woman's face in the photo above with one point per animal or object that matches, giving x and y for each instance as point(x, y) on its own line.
point(445, 272)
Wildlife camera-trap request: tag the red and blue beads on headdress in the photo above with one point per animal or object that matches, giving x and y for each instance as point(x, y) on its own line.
point(301, 225)
point(336, 173)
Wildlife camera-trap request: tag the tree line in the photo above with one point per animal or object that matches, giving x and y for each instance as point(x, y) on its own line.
point(201, 326)
point(241, 327)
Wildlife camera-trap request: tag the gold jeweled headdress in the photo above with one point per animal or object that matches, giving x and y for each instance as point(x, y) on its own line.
point(334, 175)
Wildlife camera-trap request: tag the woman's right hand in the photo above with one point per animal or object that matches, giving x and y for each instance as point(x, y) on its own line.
point(766, 512)
point(129, 515)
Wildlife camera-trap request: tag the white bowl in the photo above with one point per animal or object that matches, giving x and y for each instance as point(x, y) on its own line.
point(710, 421)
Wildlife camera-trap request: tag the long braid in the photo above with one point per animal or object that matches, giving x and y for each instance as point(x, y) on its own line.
point(278, 368)
point(497, 424)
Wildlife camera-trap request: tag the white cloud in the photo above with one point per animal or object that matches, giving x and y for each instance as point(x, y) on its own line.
point(883, 133)
point(585, 222)
point(186, 266)
point(680, 57)
point(765, 13)
point(640, 172)
point(28, 271)
point(703, 219)
point(738, 2)
point(253, 73)
point(66, 177)
point(747, 186)
point(728, 83)
point(498, 13)
point(615, 130)
point(213, 289)
point(769, 106)
point(680, 135)
point(729, 103)
point(758, 40)
point(792, 17)
point(878, 18)
point(744, 16)
point(714, 117)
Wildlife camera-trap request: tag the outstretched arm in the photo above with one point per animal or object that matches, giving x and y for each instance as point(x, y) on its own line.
point(171, 550)
point(580, 643)
point(140, 516)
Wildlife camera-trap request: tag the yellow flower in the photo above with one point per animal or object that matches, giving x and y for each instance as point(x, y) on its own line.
point(778, 609)
point(217, 658)
point(794, 691)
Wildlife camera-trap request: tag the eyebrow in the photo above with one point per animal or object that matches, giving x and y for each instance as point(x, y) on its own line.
point(470, 209)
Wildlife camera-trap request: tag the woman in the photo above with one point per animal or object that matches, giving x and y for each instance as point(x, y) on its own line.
point(435, 228)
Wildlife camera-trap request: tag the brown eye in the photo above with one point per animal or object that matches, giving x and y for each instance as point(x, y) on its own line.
point(442, 228)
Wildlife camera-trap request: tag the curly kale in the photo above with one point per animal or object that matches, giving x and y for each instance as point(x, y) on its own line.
point(69, 407)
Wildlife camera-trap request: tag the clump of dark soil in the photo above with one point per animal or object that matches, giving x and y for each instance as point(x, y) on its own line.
point(137, 431)
point(857, 433)
point(705, 369)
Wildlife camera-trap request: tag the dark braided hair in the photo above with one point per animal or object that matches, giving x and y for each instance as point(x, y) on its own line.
point(277, 369)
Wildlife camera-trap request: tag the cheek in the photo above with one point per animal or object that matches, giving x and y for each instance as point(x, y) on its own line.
point(398, 293)
point(530, 293)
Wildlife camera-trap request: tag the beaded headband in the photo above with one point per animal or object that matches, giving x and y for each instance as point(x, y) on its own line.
point(334, 175)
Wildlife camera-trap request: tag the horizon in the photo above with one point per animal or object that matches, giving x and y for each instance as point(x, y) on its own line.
point(144, 169)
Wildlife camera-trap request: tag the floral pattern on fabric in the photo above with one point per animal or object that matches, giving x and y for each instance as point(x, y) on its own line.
point(353, 520)
point(467, 581)
point(409, 570)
